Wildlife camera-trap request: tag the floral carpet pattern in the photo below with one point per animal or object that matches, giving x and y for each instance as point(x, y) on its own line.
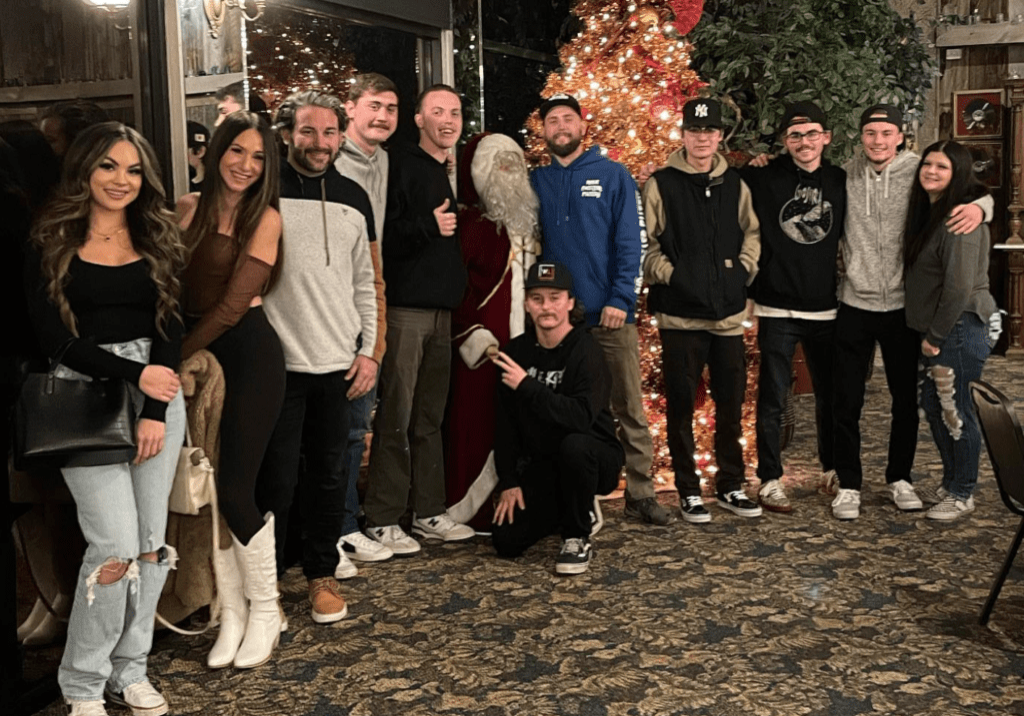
point(786, 615)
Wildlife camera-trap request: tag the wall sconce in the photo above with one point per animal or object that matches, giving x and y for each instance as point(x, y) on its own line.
point(216, 11)
point(109, 5)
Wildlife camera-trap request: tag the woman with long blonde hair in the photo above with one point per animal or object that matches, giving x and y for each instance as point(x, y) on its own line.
point(233, 230)
point(102, 282)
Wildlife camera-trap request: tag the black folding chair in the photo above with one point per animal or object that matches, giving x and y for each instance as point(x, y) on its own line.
point(1005, 442)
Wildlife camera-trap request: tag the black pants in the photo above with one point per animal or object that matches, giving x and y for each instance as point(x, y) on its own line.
point(683, 357)
point(559, 493)
point(856, 333)
point(777, 339)
point(250, 355)
point(319, 404)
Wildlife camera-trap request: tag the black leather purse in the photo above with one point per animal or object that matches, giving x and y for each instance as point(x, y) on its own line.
point(72, 423)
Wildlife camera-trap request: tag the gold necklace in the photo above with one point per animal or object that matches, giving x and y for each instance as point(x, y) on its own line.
point(110, 236)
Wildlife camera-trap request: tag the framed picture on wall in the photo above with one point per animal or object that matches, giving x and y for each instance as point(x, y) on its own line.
point(988, 162)
point(978, 114)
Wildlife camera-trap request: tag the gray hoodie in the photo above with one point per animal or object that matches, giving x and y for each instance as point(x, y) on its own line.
point(872, 249)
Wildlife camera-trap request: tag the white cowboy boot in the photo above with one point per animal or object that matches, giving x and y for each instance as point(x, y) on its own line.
point(234, 609)
point(259, 576)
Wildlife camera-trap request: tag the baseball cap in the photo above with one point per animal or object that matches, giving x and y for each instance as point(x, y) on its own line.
point(560, 99)
point(802, 113)
point(702, 112)
point(198, 135)
point(882, 113)
point(549, 275)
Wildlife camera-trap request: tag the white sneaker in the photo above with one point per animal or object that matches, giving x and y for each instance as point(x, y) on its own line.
point(86, 708)
point(142, 698)
point(950, 508)
point(394, 538)
point(360, 547)
point(345, 568)
point(904, 496)
point(846, 506)
point(932, 495)
point(442, 527)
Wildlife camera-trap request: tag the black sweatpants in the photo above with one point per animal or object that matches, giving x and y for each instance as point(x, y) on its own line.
point(559, 493)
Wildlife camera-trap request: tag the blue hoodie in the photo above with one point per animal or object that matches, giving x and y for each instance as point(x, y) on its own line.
point(592, 221)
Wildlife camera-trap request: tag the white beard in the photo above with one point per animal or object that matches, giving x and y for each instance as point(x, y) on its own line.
point(510, 202)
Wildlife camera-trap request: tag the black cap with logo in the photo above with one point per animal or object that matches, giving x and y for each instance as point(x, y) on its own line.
point(702, 112)
point(549, 275)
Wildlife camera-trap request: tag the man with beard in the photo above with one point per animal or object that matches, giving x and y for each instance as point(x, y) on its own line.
point(425, 281)
point(324, 301)
point(592, 222)
point(372, 110)
point(498, 231)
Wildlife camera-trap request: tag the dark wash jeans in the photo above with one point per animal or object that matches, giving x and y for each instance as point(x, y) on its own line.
point(683, 357)
point(857, 331)
point(315, 406)
point(777, 339)
point(951, 417)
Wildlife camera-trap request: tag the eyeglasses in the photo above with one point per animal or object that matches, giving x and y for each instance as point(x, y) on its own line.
point(814, 135)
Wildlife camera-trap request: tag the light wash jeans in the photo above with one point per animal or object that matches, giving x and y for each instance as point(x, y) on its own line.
point(946, 401)
point(122, 510)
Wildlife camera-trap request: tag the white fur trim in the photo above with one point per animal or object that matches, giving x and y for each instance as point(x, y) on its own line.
point(477, 494)
point(474, 349)
point(483, 157)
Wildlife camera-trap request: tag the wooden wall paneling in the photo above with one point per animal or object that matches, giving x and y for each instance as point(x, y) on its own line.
point(92, 47)
point(28, 42)
point(986, 67)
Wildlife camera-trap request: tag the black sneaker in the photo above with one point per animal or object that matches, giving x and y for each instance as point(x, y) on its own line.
point(692, 509)
point(737, 502)
point(574, 557)
point(647, 510)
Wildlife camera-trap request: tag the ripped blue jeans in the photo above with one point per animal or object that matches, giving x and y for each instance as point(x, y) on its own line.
point(122, 510)
point(945, 399)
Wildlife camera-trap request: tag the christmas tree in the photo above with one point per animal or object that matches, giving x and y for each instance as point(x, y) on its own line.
point(629, 67)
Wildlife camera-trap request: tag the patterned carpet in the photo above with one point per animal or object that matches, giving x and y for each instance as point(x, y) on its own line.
point(782, 616)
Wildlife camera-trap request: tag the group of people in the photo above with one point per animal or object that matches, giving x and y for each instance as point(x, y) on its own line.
point(892, 249)
point(495, 335)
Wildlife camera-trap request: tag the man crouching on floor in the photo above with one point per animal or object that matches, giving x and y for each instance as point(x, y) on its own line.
point(555, 446)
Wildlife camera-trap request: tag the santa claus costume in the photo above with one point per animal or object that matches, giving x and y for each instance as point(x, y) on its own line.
point(498, 230)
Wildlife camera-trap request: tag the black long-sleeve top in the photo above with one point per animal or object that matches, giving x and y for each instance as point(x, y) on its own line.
point(422, 268)
point(112, 304)
point(566, 392)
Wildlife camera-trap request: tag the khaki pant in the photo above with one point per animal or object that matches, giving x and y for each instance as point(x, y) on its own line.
point(406, 456)
point(621, 348)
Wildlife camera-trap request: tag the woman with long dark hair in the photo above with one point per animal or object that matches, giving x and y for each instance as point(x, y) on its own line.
point(949, 303)
point(233, 230)
point(103, 282)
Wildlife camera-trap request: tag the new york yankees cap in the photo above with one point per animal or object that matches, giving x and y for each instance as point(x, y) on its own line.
point(702, 112)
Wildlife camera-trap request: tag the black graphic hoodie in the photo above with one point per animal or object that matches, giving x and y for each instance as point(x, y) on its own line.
point(801, 216)
point(566, 392)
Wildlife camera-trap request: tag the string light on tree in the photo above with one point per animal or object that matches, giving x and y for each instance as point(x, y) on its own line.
point(632, 89)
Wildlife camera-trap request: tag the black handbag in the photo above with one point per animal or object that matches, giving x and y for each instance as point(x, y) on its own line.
point(72, 423)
